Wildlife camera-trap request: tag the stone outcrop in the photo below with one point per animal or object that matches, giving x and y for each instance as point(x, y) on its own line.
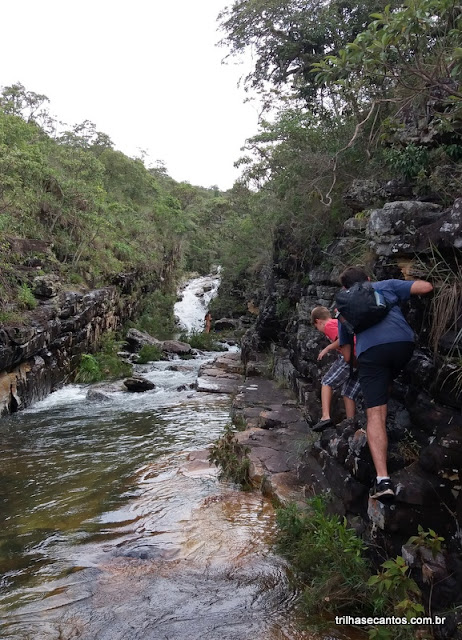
point(224, 375)
point(136, 340)
point(424, 422)
point(46, 286)
point(38, 356)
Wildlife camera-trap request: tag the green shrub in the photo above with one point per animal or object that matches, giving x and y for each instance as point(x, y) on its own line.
point(104, 365)
point(407, 161)
point(330, 561)
point(26, 298)
point(427, 539)
point(282, 308)
point(149, 353)
point(110, 364)
point(201, 340)
point(231, 458)
point(327, 555)
point(157, 317)
point(395, 593)
point(89, 370)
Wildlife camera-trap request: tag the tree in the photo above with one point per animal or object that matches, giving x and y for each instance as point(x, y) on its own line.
point(408, 57)
point(288, 36)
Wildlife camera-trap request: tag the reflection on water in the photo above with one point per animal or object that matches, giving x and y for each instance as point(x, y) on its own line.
point(114, 526)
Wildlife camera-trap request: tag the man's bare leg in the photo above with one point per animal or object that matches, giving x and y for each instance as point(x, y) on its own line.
point(377, 438)
point(350, 407)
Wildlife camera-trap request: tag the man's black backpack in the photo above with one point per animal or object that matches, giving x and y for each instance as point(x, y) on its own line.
point(361, 307)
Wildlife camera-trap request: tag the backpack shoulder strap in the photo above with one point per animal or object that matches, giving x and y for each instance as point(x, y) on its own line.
point(351, 341)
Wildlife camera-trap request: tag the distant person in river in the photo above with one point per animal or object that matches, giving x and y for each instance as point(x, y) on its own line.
point(208, 322)
point(382, 351)
point(339, 375)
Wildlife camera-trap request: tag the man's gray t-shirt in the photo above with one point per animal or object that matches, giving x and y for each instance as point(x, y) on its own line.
point(393, 328)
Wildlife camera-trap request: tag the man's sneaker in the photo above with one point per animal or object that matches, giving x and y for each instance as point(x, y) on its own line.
point(322, 424)
point(383, 491)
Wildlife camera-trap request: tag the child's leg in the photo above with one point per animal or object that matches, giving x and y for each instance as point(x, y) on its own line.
point(333, 379)
point(326, 399)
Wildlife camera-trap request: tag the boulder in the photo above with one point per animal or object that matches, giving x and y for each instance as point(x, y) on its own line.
point(174, 346)
point(137, 339)
point(93, 395)
point(398, 189)
point(46, 286)
point(393, 229)
point(138, 384)
point(355, 226)
point(225, 323)
point(20, 335)
point(363, 193)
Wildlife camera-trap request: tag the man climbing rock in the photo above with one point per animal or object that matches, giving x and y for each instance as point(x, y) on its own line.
point(382, 351)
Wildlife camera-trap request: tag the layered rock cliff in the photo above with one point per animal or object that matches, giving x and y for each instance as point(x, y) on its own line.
point(402, 239)
point(40, 353)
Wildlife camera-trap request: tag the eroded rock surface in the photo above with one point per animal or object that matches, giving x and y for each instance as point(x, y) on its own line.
point(223, 375)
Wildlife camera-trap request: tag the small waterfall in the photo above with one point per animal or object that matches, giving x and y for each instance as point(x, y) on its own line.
point(195, 299)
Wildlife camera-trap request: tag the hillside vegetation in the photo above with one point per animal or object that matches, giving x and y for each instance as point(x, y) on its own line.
point(96, 212)
point(369, 90)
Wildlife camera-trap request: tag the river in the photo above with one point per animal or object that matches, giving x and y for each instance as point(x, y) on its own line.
point(114, 527)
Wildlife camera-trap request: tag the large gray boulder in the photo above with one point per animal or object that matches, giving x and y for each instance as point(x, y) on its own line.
point(364, 193)
point(46, 286)
point(394, 229)
point(174, 346)
point(138, 339)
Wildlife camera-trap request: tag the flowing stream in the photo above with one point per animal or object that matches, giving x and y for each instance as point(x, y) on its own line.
point(114, 527)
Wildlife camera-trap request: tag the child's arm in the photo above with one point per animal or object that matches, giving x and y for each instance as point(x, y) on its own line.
point(330, 347)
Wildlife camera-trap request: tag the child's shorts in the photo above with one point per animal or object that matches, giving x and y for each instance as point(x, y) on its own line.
point(339, 376)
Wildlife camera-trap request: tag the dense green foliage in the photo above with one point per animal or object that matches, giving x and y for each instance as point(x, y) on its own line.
point(288, 37)
point(149, 353)
point(104, 365)
point(368, 90)
point(332, 564)
point(100, 211)
point(328, 557)
point(157, 317)
point(201, 340)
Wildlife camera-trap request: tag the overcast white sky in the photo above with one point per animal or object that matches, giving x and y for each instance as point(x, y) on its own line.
point(146, 72)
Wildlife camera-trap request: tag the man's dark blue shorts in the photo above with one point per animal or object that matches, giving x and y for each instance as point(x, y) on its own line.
point(378, 366)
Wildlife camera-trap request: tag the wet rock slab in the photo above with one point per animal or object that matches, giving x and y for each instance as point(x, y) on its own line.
point(223, 375)
point(276, 435)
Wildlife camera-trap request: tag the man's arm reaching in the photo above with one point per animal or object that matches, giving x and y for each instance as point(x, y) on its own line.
point(421, 287)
